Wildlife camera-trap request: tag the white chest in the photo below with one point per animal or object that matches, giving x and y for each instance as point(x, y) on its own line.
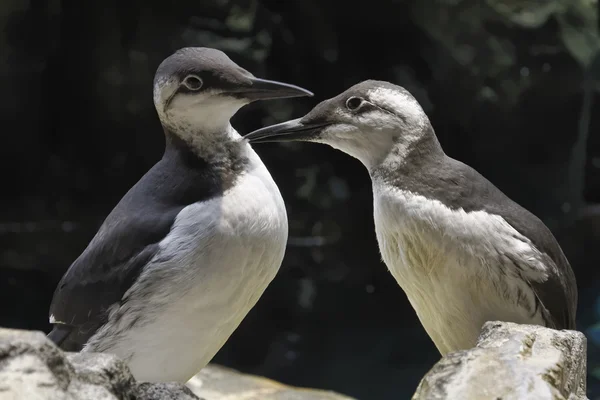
point(213, 267)
point(450, 266)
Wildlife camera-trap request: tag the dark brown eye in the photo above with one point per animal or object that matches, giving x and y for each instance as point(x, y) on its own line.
point(192, 82)
point(353, 103)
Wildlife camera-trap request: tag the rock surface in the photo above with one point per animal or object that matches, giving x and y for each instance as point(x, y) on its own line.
point(512, 361)
point(32, 367)
point(219, 383)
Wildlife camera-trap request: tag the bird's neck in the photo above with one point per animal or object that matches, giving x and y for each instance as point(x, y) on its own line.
point(408, 157)
point(224, 152)
point(210, 145)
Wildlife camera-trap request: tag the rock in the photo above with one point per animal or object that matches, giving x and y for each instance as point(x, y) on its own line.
point(101, 376)
point(512, 361)
point(216, 383)
point(165, 391)
point(32, 367)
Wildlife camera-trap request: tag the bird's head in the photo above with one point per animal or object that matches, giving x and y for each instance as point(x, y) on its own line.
point(201, 88)
point(366, 121)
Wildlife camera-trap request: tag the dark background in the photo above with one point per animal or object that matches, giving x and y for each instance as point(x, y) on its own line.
point(509, 90)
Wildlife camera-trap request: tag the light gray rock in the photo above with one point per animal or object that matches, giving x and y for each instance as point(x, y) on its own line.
point(218, 383)
point(33, 368)
point(512, 362)
point(101, 376)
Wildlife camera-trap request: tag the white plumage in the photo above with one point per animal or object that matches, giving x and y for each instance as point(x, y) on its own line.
point(210, 271)
point(448, 262)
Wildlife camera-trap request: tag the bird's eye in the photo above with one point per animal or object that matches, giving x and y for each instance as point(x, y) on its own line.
point(192, 82)
point(353, 103)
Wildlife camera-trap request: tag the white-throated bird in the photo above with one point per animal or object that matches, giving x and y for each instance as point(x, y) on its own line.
point(462, 251)
point(189, 250)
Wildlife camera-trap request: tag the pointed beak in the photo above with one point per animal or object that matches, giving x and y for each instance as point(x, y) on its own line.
point(289, 131)
point(262, 89)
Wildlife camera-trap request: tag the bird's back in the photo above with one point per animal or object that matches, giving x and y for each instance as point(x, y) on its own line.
point(559, 292)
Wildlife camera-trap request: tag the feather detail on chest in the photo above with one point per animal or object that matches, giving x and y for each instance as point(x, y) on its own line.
point(209, 271)
point(428, 230)
point(457, 269)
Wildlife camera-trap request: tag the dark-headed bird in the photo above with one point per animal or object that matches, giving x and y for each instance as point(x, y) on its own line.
point(189, 250)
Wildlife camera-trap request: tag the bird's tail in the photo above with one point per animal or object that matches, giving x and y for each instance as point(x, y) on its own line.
point(59, 333)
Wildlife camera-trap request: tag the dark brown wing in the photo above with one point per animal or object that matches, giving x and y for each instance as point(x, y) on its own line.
point(126, 242)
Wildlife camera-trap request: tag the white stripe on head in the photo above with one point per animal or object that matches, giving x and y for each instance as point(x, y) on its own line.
point(401, 103)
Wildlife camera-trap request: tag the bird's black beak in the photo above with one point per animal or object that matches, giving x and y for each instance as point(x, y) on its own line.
point(262, 89)
point(289, 131)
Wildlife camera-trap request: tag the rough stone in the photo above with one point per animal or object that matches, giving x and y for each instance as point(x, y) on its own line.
point(165, 391)
point(512, 361)
point(32, 367)
point(102, 373)
point(220, 383)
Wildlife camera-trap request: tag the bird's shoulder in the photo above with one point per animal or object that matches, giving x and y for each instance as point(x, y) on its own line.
point(461, 186)
point(127, 240)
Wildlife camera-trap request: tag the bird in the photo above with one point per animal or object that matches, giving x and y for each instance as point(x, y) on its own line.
point(462, 251)
point(191, 247)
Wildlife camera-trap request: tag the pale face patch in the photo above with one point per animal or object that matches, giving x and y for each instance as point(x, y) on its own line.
point(200, 119)
point(368, 147)
point(206, 112)
point(397, 121)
